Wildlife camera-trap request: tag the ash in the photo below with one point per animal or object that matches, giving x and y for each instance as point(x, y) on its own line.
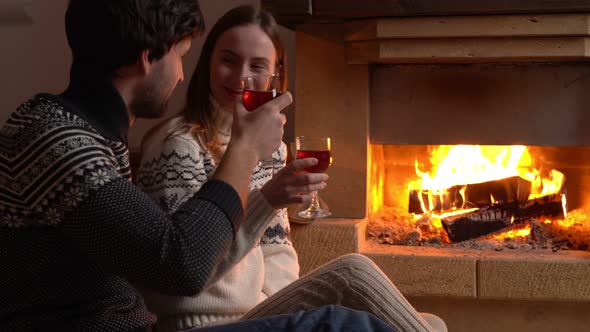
point(391, 226)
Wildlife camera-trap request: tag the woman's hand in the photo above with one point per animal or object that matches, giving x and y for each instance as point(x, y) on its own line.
point(292, 186)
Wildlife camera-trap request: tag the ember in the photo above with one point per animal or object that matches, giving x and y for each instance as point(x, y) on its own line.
point(391, 226)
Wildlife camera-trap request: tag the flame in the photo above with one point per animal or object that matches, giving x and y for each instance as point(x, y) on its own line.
point(564, 205)
point(522, 233)
point(578, 218)
point(565, 223)
point(376, 167)
point(459, 165)
point(465, 164)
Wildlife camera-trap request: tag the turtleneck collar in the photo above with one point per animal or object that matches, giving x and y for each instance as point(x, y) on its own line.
point(94, 98)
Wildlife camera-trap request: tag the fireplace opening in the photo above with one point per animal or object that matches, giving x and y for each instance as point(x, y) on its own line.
point(479, 196)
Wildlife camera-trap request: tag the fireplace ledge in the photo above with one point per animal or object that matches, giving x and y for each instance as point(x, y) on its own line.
point(539, 275)
point(469, 39)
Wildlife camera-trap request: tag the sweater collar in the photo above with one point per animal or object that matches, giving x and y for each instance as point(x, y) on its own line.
point(94, 98)
point(223, 118)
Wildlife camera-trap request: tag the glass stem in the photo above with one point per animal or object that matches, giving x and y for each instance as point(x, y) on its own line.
point(315, 203)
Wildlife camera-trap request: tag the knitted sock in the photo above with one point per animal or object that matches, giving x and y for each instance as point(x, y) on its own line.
point(352, 281)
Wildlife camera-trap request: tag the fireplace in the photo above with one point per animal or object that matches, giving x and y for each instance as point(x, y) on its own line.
point(390, 82)
point(479, 197)
point(416, 108)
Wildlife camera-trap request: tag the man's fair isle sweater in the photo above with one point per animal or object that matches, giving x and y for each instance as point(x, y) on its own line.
point(262, 260)
point(74, 232)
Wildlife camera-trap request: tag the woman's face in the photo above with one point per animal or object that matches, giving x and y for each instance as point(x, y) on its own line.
point(240, 51)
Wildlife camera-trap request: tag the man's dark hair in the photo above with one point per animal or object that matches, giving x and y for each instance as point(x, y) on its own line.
point(107, 34)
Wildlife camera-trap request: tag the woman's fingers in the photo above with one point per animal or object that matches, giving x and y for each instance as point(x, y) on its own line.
point(292, 185)
point(294, 190)
point(302, 179)
point(298, 199)
point(298, 165)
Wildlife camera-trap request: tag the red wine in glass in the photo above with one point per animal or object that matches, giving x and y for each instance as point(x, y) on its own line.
point(324, 160)
point(253, 99)
point(319, 148)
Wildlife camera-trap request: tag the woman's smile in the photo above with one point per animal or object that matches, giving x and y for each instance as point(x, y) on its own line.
point(233, 93)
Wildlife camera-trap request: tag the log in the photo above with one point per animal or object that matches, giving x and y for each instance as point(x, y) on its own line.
point(543, 207)
point(500, 215)
point(507, 191)
point(478, 223)
point(450, 200)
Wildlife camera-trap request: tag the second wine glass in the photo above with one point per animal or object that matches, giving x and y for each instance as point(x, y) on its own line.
point(319, 148)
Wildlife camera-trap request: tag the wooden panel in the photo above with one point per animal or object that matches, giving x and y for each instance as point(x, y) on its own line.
point(470, 50)
point(289, 12)
point(471, 26)
point(381, 8)
point(293, 12)
point(288, 7)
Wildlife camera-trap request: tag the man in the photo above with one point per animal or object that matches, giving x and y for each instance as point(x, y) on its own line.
point(74, 232)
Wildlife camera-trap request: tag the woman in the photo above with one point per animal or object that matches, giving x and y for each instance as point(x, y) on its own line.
point(180, 154)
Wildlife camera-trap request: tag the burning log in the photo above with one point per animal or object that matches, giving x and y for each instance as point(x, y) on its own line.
point(508, 190)
point(450, 200)
point(478, 223)
point(545, 206)
point(485, 221)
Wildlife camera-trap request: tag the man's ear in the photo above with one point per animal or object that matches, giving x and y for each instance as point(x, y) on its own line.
point(140, 67)
point(144, 64)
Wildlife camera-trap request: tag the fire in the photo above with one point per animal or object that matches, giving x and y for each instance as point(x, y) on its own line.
point(376, 177)
point(564, 223)
point(522, 233)
point(460, 165)
point(464, 164)
point(464, 191)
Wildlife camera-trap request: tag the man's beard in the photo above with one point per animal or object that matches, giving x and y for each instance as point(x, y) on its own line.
point(148, 103)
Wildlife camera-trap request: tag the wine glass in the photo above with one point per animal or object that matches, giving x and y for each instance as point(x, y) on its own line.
point(257, 90)
point(319, 148)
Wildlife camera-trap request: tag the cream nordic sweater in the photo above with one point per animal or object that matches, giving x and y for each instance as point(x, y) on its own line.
point(261, 260)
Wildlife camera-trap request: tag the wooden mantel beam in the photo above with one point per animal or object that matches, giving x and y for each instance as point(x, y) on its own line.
point(293, 12)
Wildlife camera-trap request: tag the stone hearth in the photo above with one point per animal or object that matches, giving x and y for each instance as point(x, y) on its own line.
point(473, 290)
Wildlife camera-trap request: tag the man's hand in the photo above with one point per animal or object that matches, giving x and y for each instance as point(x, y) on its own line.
point(261, 130)
point(291, 186)
point(255, 135)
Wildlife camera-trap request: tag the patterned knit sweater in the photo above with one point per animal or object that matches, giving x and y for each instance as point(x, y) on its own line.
point(262, 260)
point(74, 232)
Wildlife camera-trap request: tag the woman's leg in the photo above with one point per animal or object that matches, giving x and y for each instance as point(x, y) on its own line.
point(352, 281)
